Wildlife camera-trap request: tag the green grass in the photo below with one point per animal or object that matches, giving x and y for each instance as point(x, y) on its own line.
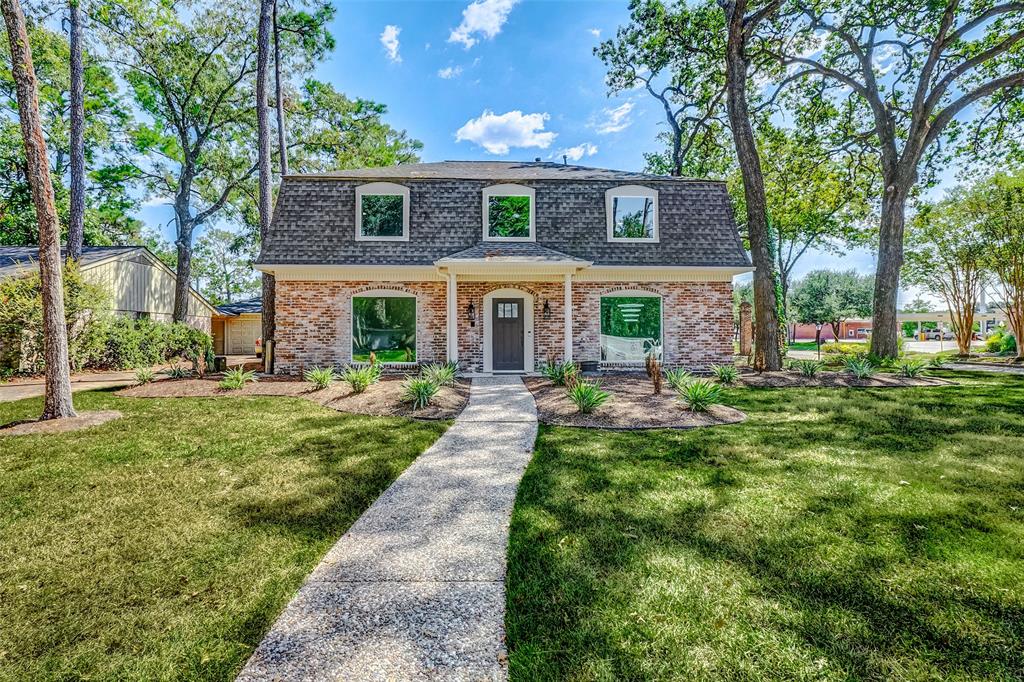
point(837, 534)
point(385, 356)
point(162, 545)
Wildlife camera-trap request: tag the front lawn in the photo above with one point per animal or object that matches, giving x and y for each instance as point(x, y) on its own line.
point(836, 534)
point(162, 545)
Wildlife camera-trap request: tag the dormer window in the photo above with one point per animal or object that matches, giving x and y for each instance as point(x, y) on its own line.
point(382, 212)
point(508, 212)
point(632, 214)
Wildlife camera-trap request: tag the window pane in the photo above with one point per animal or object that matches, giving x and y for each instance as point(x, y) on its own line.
point(633, 217)
point(386, 326)
point(630, 328)
point(508, 216)
point(382, 215)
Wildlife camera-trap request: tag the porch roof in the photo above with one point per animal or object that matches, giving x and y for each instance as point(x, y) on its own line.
point(488, 257)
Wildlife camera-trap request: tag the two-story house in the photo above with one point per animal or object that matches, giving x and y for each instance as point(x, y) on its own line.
point(501, 266)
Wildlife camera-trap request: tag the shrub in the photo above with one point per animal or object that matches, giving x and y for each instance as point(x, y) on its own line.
point(860, 368)
point(560, 373)
point(441, 374)
point(911, 368)
point(994, 343)
point(236, 378)
point(144, 375)
point(176, 371)
point(419, 391)
point(320, 377)
point(1008, 345)
point(726, 374)
point(938, 361)
point(678, 378)
point(700, 395)
point(362, 377)
point(588, 396)
point(808, 368)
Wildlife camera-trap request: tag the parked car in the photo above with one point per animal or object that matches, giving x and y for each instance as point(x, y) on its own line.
point(936, 335)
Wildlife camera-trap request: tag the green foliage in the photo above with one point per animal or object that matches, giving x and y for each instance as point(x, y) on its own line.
point(912, 368)
point(587, 396)
point(508, 216)
point(560, 373)
point(678, 378)
point(236, 378)
point(383, 215)
point(361, 377)
point(176, 371)
point(442, 374)
point(808, 368)
point(384, 326)
point(21, 319)
point(861, 368)
point(320, 377)
point(700, 395)
point(144, 375)
point(633, 217)
point(419, 391)
point(829, 297)
point(938, 361)
point(726, 374)
point(222, 263)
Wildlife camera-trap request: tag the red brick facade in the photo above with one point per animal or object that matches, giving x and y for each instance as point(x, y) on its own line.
point(314, 320)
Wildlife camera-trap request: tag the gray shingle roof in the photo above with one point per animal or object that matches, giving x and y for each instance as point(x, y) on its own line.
point(485, 170)
point(314, 220)
point(252, 305)
point(17, 259)
point(511, 251)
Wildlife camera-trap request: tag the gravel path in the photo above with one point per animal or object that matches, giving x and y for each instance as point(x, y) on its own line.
point(415, 590)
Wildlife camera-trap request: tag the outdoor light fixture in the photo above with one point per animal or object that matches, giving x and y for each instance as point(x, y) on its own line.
point(817, 337)
point(471, 314)
point(547, 310)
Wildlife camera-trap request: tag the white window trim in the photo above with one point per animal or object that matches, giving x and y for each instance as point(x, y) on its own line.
point(380, 293)
point(510, 190)
point(386, 189)
point(631, 191)
point(632, 293)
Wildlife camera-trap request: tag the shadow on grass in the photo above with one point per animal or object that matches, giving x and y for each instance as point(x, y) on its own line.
point(870, 577)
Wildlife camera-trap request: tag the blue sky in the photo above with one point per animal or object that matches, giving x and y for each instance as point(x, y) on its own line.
point(498, 79)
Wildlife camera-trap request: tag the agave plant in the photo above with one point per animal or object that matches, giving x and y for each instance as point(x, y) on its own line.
point(701, 394)
point(144, 375)
point(678, 378)
point(419, 391)
point(441, 374)
point(359, 378)
point(808, 368)
point(860, 368)
point(726, 374)
point(559, 373)
point(912, 368)
point(320, 377)
point(588, 396)
point(938, 362)
point(176, 371)
point(236, 378)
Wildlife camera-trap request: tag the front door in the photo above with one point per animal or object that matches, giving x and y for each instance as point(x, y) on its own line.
point(507, 348)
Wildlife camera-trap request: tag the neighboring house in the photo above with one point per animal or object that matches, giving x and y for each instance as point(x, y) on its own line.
point(849, 330)
point(138, 284)
point(237, 327)
point(502, 266)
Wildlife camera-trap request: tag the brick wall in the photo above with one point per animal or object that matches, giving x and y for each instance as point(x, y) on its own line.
point(314, 322)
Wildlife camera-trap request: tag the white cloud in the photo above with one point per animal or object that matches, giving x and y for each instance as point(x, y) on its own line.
point(498, 133)
point(576, 153)
point(614, 119)
point(158, 200)
point(596, 32)
point(389, 39)
point(450, 72)
point(483, 17)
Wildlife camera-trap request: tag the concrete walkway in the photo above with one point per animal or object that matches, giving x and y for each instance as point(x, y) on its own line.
point(415, 590)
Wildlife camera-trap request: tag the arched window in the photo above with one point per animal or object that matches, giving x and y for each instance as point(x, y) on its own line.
point(509, 213)
point(632, 212)
point(382, 212)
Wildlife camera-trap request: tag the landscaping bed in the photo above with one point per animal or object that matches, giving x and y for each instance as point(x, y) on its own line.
point(381, 399)
point(633, 405)
point(83, 420)
point(829, 379)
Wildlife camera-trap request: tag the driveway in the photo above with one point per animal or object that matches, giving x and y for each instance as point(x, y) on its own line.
point(415, 590)
point(33, 388)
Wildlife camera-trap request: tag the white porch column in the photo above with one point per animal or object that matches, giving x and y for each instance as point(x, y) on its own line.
point(568, 318)
point(453, 321)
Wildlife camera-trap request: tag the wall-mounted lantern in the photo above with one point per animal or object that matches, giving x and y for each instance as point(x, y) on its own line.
point(471, 314)
point(547, 310)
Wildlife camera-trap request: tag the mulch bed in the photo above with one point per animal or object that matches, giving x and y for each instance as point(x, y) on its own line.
point(633, 405)
point(826, 379)
point(83, 421)
point(382, 399)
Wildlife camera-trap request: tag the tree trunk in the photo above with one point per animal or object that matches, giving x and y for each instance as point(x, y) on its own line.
point(266, 26)
point(57, 402)
point(182, 288)
point(767, 354)
point(76, 217)
point(282, 144)
point(885, 327)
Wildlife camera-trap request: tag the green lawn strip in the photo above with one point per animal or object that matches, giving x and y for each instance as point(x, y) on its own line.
point(836, 534)
point(163, 545)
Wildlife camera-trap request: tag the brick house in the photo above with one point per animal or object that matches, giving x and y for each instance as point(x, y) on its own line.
point(501, 266)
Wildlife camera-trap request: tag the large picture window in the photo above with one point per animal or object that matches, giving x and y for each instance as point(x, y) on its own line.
point(382, 212)
point(509, 213)
point(630, 328)
point(384, 326)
